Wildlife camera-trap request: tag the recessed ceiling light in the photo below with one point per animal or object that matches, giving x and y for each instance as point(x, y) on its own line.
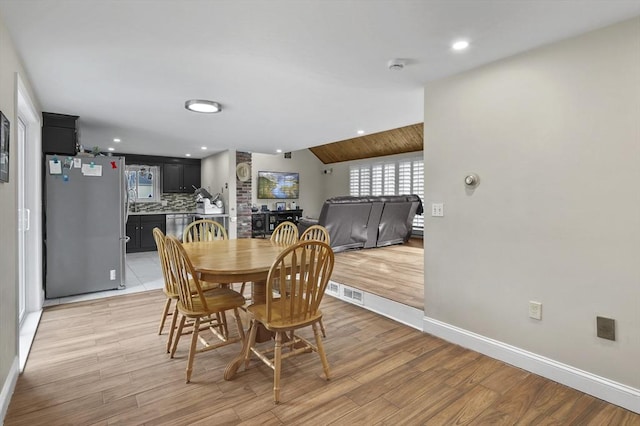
point(116, 140)
point(204, 148)
point(187, 155)
point(460, 45)
point(278, 150)
point(111, 149)
point(361, 132)
point(204, 106)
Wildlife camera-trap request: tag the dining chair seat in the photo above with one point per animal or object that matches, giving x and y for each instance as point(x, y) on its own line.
point(219, 299)
point(283, 317)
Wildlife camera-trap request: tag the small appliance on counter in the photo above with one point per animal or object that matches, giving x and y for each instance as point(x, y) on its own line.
point(207, 204)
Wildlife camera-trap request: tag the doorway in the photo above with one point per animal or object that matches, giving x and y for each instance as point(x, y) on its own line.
point(28, 172)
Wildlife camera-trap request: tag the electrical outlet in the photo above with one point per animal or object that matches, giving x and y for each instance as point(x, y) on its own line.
point(112, 274)
point(535, 310)
point(437, 209)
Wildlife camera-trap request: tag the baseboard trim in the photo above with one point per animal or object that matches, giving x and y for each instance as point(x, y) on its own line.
point(7, 389)
point(600, 387)
point(403, 314)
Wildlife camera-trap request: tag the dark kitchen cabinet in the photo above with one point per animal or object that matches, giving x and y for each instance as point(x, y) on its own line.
point(140, 231)
point(59, 134)
point(180, 177)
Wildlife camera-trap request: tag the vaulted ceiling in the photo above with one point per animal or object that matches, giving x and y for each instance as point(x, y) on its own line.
point(395, 141)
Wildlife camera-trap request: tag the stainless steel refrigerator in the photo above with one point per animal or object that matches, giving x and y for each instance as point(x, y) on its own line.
point(85, 204)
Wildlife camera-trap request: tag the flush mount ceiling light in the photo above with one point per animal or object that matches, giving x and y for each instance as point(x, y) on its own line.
point(203, 106)
point(460, 45)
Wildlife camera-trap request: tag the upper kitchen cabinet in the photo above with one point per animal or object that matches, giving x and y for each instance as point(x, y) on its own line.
point(59, 134)
point(178, 174)
point(180, 177)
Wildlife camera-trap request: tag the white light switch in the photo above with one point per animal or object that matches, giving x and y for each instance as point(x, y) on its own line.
point(112, 274)
point(535, 310)
point(437, 209)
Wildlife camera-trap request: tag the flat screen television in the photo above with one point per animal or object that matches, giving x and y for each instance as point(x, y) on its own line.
point(278, 185)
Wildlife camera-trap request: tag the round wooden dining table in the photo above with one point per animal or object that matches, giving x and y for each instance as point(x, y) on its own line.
point(235, 261)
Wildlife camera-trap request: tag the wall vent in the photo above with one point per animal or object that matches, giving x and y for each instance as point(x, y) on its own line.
point(333, 288)
point(353, 295)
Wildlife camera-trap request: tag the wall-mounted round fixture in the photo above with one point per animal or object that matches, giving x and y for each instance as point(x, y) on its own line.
point(203, 106)
point(243, 172)
point(471, 180)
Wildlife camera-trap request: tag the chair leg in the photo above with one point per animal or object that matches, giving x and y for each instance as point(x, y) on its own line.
point(324, 334)
point(165, 311)
point(177, 336)
point(192, 350)
point(321, 353)
point(239, 322)
point(253, 328)
point(225, 325)
point(277, 361)
point(172, 332)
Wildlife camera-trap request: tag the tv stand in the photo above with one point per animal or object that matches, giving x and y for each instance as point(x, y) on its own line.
point(263, 223)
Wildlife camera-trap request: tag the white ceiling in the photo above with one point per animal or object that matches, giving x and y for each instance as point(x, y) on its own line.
point(289, 74)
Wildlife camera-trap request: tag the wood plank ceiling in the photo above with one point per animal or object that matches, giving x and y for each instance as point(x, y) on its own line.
point(389, 142)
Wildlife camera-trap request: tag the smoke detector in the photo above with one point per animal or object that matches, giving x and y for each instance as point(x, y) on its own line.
point(396, 64)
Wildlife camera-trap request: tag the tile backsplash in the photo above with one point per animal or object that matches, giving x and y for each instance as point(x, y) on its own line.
point(174, 203)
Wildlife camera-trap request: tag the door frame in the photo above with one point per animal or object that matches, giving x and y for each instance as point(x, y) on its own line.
point(34, 292)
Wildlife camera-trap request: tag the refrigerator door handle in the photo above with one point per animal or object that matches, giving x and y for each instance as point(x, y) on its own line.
point(27, 225)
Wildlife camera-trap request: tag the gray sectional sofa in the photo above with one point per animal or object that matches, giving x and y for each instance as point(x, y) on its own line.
point(366, 222)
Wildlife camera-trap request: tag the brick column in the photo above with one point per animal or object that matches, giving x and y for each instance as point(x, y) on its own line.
point(243, 199)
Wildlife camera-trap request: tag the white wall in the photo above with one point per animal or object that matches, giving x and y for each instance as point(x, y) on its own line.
point(554, 135)
point(218, 176)
point(9, 66)
point(311, 178)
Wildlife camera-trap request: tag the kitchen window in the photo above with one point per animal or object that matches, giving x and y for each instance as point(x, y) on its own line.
point(143, 183)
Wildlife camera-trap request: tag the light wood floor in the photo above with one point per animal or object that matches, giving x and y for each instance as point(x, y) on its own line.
point(101, 362)
point(395, 272)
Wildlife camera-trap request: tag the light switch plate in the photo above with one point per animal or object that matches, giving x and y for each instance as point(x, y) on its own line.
point(437, 209)
point(535, 310)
